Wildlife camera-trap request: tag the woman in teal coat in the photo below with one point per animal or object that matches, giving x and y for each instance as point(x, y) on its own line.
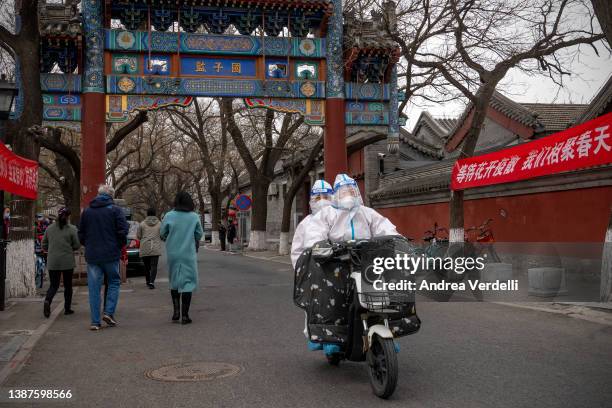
point(181, 230)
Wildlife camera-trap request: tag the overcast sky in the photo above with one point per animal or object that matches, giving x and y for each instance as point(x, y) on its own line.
point(592, 72)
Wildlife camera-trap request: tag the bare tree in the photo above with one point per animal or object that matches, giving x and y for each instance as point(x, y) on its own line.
point(20, 41)
point(23, 45)
point(298, 170)
point(488, 39)
point(67, 164)
point(137, 156)
point(260, 160)
point(207, 127)
point(165, 164)
point(417, 26)
point(603, 10)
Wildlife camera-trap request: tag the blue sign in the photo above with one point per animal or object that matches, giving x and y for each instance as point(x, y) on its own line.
point(243, 202)
point(218, 67)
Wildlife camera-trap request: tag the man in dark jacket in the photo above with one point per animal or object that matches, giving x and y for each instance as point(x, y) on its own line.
point(103, 232)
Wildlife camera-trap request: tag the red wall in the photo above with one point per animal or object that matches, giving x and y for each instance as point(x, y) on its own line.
point(565, 216)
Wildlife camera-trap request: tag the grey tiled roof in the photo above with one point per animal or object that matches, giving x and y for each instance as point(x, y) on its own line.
point(420, 145)
point(446, 123)
point(431, 177)
point(544, 118)
point(426, 178)
point(556, 117)
point(371, 33)
point(508, 107)
point(59, 19)
point(367, 35)
point(439, 126)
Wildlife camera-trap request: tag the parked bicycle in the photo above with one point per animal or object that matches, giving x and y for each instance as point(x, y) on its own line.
point(482, 239)
point(438, 244)
point(41, 264)
point(439, 247)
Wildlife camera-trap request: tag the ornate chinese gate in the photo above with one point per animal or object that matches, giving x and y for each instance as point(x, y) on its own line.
point(122, 56)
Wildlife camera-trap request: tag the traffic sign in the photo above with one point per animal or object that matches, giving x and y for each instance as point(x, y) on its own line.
point(243, 202)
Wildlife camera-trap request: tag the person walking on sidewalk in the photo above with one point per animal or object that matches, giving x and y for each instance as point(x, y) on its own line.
point(60, 241)
point(181, 230)
point(222, 232)
point(231, 233)
point(103, 232)
point(150, 245)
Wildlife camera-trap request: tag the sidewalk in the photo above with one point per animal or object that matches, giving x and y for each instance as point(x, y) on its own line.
point(22, 324)
point(590, 311)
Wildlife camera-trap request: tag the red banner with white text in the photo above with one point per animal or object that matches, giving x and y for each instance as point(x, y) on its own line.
point(582, 146)
point(18, 175)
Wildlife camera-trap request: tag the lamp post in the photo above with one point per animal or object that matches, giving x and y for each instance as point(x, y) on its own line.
point(8, 91)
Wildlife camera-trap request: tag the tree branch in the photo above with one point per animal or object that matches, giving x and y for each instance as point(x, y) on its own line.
point(125, 130)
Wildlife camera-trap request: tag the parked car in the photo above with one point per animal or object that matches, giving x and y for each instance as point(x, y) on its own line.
point(133, 248)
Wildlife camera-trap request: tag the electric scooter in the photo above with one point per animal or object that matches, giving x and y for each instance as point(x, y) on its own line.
point(367, 321)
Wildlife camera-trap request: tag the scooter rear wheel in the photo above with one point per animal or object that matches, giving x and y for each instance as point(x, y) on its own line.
point(382, 367)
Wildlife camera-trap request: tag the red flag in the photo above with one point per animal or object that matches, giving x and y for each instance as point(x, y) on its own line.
point(18, 175)
point(582, 146)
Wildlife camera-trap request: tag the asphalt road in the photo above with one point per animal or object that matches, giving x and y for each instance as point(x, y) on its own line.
point(466, 354)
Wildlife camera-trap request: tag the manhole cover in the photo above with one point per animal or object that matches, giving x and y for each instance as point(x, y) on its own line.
point(198, 371)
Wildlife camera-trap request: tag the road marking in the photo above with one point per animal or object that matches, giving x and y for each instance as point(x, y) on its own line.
point(271, 259)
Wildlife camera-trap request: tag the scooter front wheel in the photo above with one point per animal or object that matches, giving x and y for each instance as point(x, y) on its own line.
point(382, 366)
point(334, 359)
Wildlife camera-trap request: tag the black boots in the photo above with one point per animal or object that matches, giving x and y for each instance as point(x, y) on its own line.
point(68, 301)
point(185, 308)
point(181, 309)
point(47, 308)
point(176, 302)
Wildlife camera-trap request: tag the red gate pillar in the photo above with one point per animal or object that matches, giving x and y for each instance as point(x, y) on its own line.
point(93, 130)
point(334, 143)
point(334, 153)
point(93, 145)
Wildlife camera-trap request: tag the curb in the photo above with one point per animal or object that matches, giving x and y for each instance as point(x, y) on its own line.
point(21, 356)
point(568, 313)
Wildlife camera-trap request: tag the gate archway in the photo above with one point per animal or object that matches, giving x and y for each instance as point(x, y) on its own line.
point(292, 56)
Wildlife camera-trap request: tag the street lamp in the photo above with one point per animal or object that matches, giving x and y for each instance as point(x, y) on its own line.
point(8, 91)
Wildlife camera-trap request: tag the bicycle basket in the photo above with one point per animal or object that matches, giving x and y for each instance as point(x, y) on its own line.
point(386, 302)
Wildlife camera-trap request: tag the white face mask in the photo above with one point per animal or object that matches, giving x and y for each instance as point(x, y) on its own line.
point(315, 206)
point(348, 202)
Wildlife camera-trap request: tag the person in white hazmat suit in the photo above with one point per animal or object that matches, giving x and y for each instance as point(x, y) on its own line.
point(348, 218)
point(321, 195)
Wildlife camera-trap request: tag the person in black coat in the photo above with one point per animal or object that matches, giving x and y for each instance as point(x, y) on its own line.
point(231, 232)
point(222, 232)
point(103, 231)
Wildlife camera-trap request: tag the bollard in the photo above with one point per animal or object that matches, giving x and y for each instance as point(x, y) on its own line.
point(547, 281)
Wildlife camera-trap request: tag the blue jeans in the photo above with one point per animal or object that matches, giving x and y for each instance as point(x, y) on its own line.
point(95, 277)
